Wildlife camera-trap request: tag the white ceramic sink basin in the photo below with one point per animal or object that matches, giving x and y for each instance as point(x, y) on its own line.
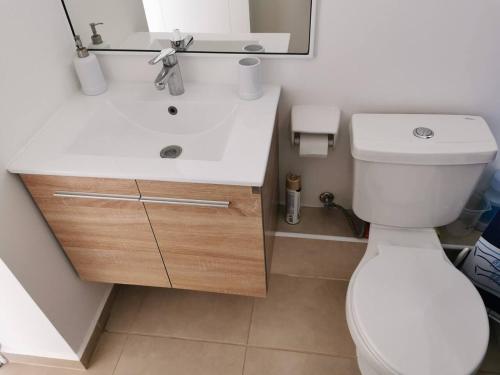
point(142, 123)
point(178, 118)
point(120, 135)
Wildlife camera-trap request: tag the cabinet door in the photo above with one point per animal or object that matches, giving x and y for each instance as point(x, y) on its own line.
point(210, 236)
point(102, 227)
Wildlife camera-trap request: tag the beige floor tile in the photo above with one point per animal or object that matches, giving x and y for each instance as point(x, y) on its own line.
point(18, 369)
point(303, 314)
point(317, 220)
point(159, 356)
point(107, 354)
point(447, 238)
point(103, 361)
point(315, 258)
point(125, 308)
point(276, 362)
point(194, 315)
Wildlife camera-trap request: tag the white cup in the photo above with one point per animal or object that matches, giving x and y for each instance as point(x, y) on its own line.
point(254, 48)
point(250, 78)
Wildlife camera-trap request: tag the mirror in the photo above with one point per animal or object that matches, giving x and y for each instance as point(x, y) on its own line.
point(203, 26)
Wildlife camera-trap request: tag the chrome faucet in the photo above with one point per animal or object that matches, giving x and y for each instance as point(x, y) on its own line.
point(170, 73)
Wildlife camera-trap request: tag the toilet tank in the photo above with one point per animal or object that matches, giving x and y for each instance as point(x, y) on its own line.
point(417, 171)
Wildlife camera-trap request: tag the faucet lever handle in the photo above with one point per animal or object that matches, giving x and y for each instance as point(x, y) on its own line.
point(162, 55)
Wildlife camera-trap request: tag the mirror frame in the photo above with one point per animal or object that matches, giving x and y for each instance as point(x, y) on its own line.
point(307, 54)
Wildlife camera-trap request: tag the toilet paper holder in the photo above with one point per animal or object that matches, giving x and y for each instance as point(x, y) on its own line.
point(315, 119)
point(331, 139)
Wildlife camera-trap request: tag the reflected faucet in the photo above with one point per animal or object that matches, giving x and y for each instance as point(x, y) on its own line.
point(170, 73)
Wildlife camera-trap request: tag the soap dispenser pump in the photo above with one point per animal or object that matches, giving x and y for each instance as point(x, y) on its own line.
point(88, 70)
point(97, 42)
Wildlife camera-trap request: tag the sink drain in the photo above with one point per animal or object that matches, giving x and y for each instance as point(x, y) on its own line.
point(171, 152)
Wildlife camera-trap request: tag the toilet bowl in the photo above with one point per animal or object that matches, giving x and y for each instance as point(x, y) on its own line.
point(409, 311)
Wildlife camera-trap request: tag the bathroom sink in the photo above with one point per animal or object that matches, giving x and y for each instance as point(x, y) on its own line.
point(124, 126)
point(215, 136)
point(177, 118)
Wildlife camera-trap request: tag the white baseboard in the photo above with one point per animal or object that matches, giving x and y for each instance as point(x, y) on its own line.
point(321, 237)
point(93, 325)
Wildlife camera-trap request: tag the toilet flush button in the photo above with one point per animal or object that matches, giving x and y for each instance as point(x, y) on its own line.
point(423, 132)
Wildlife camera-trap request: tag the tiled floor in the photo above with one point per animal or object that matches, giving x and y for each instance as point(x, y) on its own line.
point(299, 328)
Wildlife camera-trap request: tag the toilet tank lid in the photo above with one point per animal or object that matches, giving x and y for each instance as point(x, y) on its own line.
point(422, 139)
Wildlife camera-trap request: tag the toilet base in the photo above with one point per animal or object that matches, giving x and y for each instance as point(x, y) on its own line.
point(387, 235)
point(407, 239)
point(365, 367)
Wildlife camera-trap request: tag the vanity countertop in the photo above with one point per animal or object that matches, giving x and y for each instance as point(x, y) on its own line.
point(120, 134)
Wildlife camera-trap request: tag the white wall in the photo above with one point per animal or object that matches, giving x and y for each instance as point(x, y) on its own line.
point(36, 76)
point(44, 340)
point(198, 16)
point(428, 56)
point(283, 16)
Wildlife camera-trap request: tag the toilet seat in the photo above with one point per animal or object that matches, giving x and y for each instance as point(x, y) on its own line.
point(416, 314)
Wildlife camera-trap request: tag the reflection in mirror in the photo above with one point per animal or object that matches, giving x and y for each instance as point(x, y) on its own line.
point(226, 26)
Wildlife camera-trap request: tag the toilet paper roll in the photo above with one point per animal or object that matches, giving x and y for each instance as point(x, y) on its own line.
point(313, 145)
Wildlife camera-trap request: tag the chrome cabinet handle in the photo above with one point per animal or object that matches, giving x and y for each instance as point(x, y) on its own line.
point(186, 202)
point(112, 197)
point(137, 198)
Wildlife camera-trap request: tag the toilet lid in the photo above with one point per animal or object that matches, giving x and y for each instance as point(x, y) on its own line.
point(417, 314)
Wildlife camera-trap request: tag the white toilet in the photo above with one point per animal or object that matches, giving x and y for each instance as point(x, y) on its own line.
point(409, 310)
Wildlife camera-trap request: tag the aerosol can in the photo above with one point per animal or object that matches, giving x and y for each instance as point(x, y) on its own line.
point(293, 190)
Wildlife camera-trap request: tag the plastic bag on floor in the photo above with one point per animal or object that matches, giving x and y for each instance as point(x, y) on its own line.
point(482, 266)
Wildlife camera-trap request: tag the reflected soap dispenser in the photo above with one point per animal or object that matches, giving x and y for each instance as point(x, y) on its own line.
point(88, 70)
point(97, 42)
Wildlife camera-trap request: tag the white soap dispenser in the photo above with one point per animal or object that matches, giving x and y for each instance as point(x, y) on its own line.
point(88, 70)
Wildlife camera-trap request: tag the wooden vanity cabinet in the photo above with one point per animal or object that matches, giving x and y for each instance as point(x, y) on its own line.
point(102, 226)
point(211, 236)
point(215, 238)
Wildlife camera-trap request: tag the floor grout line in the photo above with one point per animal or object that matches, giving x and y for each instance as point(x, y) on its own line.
point(139, 308)
point(244, 361)
point(121, 354)
point(246, 346)
point(248, 337)
point(302, 352)
point(159, 336)
point(136, 314)
point(253, 346)
point(311, 277)
point(251, 321)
